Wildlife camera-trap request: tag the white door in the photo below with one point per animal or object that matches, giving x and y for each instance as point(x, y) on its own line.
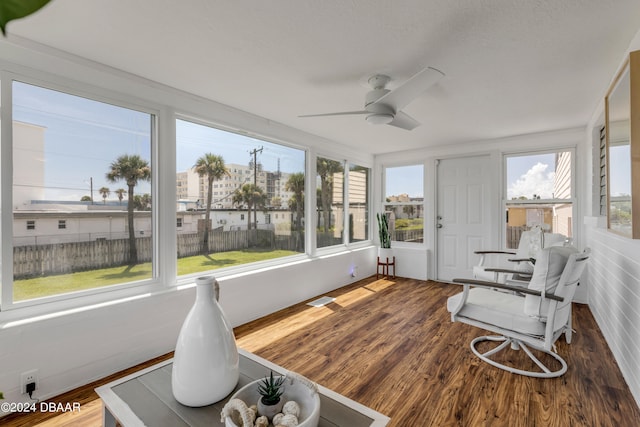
point(463, 210)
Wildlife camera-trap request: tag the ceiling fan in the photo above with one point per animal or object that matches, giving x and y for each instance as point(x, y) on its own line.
point(383, 106)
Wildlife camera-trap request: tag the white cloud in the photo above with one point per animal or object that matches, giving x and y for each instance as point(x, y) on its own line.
point(535, 181)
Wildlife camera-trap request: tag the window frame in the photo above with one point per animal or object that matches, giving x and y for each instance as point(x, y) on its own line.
point(164, 109)
point(202, 120)
point(553, 201)
point(343, 244)
point(348, 165)
point(383, 194)
point(346, 162)
point(70, 87)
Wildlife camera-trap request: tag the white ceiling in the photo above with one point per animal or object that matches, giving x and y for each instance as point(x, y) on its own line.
point(512, 67)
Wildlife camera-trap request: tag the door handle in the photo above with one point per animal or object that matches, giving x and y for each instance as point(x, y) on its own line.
point(439, 226)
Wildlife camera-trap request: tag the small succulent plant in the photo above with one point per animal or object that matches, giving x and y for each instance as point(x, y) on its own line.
point(271, 389)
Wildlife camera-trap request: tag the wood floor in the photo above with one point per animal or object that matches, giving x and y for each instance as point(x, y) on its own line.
point(390, 345)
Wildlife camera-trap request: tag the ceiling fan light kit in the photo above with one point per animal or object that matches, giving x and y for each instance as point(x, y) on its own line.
point(379, 119)
point(383, 106)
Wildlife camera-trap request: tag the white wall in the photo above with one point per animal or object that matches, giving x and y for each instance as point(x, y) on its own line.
point(74, 349)
point(614, 298)
point(613, 273)
point(419, 261)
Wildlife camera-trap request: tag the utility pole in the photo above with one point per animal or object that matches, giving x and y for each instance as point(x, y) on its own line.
point(91, 188)
point(254, 153)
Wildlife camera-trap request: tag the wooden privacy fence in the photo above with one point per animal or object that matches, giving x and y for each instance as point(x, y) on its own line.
point(513, 235)
point(408, 235)
point(62, 258)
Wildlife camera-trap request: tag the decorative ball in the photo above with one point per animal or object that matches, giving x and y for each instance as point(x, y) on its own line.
point(289, 420)
point(291, 407)
point(277, 418)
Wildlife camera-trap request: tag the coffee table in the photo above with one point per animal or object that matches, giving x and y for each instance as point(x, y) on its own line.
point(145, 398)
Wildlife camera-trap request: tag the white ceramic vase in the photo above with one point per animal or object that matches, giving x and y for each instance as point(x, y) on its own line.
point(205, 364)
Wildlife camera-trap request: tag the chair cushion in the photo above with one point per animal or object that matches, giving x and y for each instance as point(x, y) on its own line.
point(549, 266)
point(554, 239)
point(500, 309)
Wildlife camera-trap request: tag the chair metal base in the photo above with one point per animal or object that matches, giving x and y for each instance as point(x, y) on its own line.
point(516, 344)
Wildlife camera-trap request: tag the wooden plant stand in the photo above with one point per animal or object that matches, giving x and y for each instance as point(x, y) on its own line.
point(385, 264)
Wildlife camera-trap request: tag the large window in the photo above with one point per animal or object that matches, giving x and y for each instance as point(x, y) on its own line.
point(539, 189)
point(239, 199)
point(404, 202)
point(85, 185)
point(82, 173)
point(330, 202)
point(358, 196)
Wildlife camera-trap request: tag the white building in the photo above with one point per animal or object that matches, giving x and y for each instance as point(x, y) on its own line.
point(28, 181)
point(192, 189)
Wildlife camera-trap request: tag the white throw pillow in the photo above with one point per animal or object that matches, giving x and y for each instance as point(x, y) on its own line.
point(549, 266)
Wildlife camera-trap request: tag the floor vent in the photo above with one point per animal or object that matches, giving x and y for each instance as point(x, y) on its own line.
point(321, 301)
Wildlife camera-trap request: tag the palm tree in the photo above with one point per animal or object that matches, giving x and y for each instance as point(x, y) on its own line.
point(104, 191)
point(210, 166)
point(142, 202)
point(252, 196)
point(120, 192)
point(131, 169)
point(326, 169)
point(295, 184)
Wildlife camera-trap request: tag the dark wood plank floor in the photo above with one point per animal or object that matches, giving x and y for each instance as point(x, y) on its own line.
point(390, 345)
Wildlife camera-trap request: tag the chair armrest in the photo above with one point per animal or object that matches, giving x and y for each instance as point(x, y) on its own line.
point(507, 270)
point(484, 284)
point(494, 252)
point(519, 259)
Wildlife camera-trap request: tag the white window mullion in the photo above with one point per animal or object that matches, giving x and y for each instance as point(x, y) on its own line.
point(345, 204)
point(6, 182)
point(164, 155)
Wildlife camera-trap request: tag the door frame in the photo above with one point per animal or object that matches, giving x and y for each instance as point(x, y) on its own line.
point(494, 194)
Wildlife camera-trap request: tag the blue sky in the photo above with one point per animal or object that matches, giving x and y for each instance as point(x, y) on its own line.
point(529, 175)
point(83, 137)
point(194, 140)
point(405, 180)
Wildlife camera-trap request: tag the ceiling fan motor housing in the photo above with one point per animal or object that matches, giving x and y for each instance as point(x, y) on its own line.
point(381, 114)
point(373, 95)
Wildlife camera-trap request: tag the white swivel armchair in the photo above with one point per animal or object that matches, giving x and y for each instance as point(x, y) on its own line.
point(535, 316)
point(501, 265)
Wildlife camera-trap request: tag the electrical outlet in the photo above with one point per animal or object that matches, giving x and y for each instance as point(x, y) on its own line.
point(27, 378)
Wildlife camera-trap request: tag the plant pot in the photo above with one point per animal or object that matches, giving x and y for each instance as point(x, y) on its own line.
point(297, 388)
point(385, 253)
point(270, 410)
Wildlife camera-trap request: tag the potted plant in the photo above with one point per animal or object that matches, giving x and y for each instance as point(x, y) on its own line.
point(299, 400)
point(270, 390)
point(385, 236)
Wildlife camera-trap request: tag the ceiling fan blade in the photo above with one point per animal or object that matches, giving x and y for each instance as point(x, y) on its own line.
point(401, 96)
point(344, 113)
point(404, 121)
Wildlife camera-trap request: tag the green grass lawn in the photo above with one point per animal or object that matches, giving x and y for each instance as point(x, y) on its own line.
point(53, 285)
point(409, 224)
